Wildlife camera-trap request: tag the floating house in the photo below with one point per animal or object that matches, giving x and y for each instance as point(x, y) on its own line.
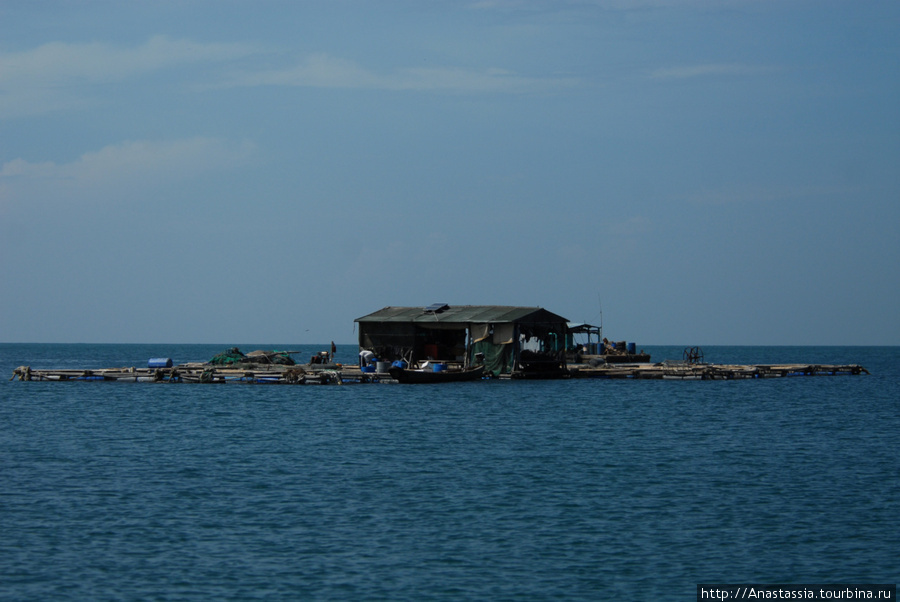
point(523, 342)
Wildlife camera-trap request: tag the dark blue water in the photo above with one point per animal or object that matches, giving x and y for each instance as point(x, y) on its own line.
point(624, 490)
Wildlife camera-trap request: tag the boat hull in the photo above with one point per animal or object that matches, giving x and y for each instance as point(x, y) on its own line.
point(404, 375)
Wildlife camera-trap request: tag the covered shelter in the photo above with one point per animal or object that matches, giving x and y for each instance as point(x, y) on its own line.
point(519, 341)
point(592, 334)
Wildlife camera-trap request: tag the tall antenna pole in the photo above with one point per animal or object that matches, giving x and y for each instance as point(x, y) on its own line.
point(600, 303)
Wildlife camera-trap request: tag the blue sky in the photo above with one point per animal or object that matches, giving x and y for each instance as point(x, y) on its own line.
point(710, 172)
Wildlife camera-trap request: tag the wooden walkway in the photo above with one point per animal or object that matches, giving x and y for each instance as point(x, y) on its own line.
point(686, 371)
point(337, 374)
point(192, 373)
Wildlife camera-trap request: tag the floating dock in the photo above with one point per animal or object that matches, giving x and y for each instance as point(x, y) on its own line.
point(193, 373)
point(689, 371)
point(324, 374)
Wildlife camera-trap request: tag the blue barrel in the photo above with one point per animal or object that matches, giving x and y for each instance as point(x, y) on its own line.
point(399, 364)
point(632, 348)
point(438, 367)
point(159, 362)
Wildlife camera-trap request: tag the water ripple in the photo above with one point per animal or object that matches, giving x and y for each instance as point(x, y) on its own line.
point(545, 490)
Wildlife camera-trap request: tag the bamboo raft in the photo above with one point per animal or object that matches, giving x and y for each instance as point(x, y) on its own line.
point(337, 374)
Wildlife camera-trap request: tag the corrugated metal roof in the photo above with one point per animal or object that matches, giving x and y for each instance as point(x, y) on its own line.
point(464, 314)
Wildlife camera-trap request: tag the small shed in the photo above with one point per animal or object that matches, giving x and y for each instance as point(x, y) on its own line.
point(520, 341)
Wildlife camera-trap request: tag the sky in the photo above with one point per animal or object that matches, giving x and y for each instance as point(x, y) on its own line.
point(688, 172)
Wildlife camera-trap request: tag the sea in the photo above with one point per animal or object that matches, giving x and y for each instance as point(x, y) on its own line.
point(489, 490)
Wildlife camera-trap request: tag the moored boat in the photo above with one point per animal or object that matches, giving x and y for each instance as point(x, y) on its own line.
point(405, 375)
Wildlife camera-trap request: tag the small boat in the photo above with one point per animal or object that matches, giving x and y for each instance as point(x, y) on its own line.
point(405, 375)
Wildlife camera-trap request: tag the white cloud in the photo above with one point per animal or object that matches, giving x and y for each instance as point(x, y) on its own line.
point(55, 75)
point(317, 71)
point(323, 71)
point(64, 76)
point(59, 62)
point(127, 165)
point(707, 70)
point(489, 80)
point(148, 158)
